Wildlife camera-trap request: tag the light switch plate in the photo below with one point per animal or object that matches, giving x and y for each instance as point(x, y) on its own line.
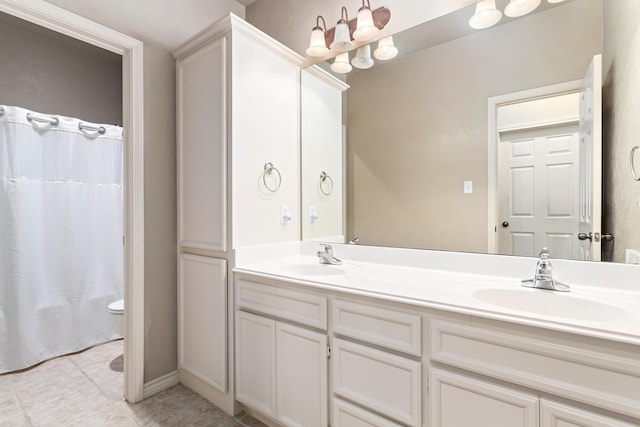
point(468, 187)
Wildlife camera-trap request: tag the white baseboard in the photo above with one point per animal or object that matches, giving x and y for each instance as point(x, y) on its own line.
point(160, 384)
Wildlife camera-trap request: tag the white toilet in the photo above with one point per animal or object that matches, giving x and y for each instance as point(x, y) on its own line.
point(116, 311)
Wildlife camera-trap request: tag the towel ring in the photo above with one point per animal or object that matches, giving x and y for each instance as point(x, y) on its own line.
point(326, 178)
point(633, 167)
point(268, 170)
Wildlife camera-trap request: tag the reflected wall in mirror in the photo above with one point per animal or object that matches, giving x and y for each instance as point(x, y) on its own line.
point(417, 126)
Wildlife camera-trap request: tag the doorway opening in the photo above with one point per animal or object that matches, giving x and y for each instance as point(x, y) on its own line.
point(61, 21)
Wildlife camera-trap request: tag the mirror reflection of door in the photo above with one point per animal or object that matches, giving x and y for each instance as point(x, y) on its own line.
point(549, 173)
point(539, 197)
point(591, 162)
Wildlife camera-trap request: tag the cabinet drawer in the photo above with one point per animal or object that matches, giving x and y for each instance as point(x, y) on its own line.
point(388, 328)
point(605, 378)
point(299, 307)
point(555, 414)
point(348, 415)
point(382, 382)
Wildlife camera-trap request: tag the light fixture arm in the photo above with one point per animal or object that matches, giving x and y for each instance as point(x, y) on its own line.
point(324, 24)
point(368, 5)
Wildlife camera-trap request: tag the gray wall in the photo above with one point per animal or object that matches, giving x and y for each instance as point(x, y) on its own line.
point(160, 317)
point(49, 73)
point(417, 126)
point(621, 125)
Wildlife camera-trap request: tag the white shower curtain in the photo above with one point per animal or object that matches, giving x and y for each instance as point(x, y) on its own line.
point(61, 236)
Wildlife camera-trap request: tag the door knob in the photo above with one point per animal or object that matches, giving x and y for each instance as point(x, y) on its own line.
point(505, 223)
point(585, 236)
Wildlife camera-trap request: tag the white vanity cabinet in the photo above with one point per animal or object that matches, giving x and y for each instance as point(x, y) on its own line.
point(237, 111)
point(281, 368)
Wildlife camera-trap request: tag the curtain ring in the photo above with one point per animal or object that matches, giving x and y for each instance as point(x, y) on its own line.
point(268, 170)
point(326, 178)
point(633, 167)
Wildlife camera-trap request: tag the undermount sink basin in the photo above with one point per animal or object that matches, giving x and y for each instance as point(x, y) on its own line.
point(551, 303)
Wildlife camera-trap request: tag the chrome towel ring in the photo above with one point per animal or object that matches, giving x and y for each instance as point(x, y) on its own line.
point(269, 169)
point(633, 166)
point(326, 184)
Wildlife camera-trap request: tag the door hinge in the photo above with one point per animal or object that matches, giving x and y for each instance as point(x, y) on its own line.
point(328, 352)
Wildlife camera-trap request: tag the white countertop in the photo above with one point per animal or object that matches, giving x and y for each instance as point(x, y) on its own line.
point(601, 312)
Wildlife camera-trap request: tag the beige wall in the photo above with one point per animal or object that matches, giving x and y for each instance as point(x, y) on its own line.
point(621, 125)
point(405, 182)
point(49, 73)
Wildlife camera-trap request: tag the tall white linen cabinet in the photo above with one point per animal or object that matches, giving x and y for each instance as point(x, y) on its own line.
point(238, 171)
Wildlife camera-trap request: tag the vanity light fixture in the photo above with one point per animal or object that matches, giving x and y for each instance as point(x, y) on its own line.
point(554, 1)
point(363, 59)
point(341, 64)
point(517, 8)
point(317, 45)
point(386, 50)
point(340, 38)
point(486, 15)
point(366, 29)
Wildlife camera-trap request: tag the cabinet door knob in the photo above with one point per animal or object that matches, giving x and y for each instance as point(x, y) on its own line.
point(505, 224)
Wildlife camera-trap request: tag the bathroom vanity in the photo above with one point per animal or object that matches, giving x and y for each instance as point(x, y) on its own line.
point(384, 344)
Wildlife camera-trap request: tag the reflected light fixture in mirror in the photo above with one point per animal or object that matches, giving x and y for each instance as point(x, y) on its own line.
point(363, 59)
point(318, 45)
point(365, 30)
point(386, 50)
point(487, 15)
point(341, 64)
point(517, 8)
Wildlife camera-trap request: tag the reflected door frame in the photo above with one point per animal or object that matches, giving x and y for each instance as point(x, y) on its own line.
point(54, 18)
point(493, 142)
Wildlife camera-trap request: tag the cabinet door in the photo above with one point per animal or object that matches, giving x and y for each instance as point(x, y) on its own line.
point(255, 362)
point(202, 319)
point(202, 139)
point(301, 376)
point(556, 414)
point(380, 381)
point(460, 401)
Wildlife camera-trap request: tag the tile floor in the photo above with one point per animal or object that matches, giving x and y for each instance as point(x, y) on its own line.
point(85, 389)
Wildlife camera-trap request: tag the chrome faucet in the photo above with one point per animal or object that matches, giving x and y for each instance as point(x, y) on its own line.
point(325, 256)
point(543, 278)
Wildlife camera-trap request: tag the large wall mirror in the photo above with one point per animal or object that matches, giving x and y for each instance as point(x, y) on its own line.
point(416, 156)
